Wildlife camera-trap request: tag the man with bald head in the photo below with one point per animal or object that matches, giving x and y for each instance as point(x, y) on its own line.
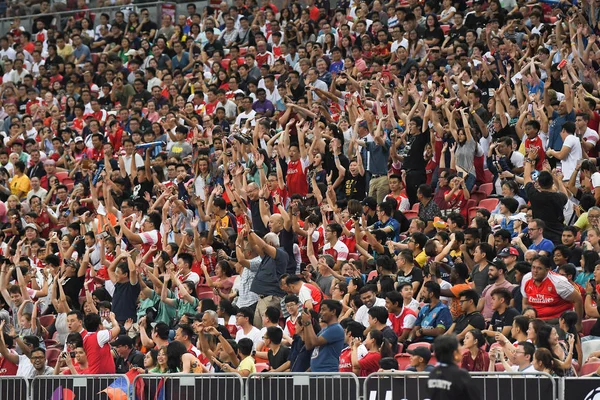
point(254, 196)
point(280, 224)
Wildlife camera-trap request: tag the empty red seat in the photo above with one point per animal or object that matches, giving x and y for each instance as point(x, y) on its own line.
point(411, 214)
point(489, 204)
point(403, 361)
point(486, 188)
point(587, 325)
point(419, 344)
point(445, 29)
point(588, 368)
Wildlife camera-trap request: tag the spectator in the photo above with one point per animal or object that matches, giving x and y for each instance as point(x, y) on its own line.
point(244, 319)
point(368, 296)
point(278, 354)
point(95, 343)
point(327, 345)
point(470, 319)
point(549, 293)
point(496, 271)
point(128, 356)
point(434, 319)
point(475, 359)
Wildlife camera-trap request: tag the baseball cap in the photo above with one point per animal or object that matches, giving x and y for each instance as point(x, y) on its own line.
point(499, 264)
point(32, 226)
point(19, 142)
point(370, 202)
point(78, 139)
point(422, 352)
point(507, 252)
point(123, 340)
point(189, 232)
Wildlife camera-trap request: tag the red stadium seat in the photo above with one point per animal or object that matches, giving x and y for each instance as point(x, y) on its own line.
point(477, 196)
point(486, 188)
point(489, 204)
point(61, 175)
point(52, 356)
point(445, 29)
point(411, 214)
point(403, 361)
point(488, 176)
point(587, 325)
point(415, 207)
point(588, 368)
point(353, 256)
point(47, 320)
point(372, 275)
point(419, 344)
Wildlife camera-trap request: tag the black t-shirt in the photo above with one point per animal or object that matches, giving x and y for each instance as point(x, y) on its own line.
point(548, 206)
point(210, 48)
point(415, 275)
point(298, 93)
point(415, 147)
point(277, 360)
point(518, 298)
point(72, 287)
point(148, 26)
point(389, 334)
point(502, 320)
point(449, 382)
point(475, 319)
point(139, 189)
point(355, 186)
point(135, 359)
point(437, 33)
point(473, 21)
point(124, 301)
point(286, 240)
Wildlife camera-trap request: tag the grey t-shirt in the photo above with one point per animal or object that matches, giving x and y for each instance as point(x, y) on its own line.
point(465, 156)
point(480, 278)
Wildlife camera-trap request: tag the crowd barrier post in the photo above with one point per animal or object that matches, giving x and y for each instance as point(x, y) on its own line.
point(302, 386)
point(492, 386)
point(80, 387)
point(226, 386)
point(13, 387)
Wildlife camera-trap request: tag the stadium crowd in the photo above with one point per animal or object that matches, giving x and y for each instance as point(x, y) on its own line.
point(246, 188)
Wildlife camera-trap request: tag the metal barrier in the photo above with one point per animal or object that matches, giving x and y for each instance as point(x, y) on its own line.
point(579, 388)
point(492, 386)
point(302, 386)
point(190, 386)
point(13, 387)
point(80, 387)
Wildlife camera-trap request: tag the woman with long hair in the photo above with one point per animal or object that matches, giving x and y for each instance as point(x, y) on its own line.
point(220, 281)
point(568, 323)
point(434, 35)
point(180, 360)
point(547, 338)
point(534, 327)
point(475, 359)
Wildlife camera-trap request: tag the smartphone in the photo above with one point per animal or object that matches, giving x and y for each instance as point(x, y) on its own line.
point(79, 237)
point(102, 235)
point(460, 174)
point(72, 354)
point(593, 283)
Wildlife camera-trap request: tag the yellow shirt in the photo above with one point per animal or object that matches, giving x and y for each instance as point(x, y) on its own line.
point(65, 52)
point(21, 184)
point(248, 365)
point(421, 259)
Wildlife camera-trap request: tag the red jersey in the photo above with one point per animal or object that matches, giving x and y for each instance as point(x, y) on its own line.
point(100, 359)
point(346, 360)
point(404, 321)
point(296, 177)
point(316, 294)
point(549, 297)
point(369, 363)
point(537, 143)
point(349, 241)
point(7, 368)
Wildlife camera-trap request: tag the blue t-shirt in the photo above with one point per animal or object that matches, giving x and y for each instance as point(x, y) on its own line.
point(436, 317)
point(394, 235)
point(555, 141)
point(327, 358)
point(545, 245)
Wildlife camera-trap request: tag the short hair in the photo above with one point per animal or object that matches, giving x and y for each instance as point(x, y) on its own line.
point(379, 313)
point(273, 313)
point(470, 294)
point(275, 334)
point(333, 305)
point(488, 250)
point(569, 269)
point(528, 349)
point(356, 329)
point(503, 293)
point(245, 346)
point(521, 322)
point(420, 239)
point(433, 288)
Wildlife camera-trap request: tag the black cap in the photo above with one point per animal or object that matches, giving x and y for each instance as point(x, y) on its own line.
point(422, 352)
point(123, 340)
point(370, 202)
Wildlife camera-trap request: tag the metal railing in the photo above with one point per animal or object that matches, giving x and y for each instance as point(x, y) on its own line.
point(292, 386)
point(302, 386)
point(13, 387)
point(190, 386)
point(491, 386)
point(80, 387)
